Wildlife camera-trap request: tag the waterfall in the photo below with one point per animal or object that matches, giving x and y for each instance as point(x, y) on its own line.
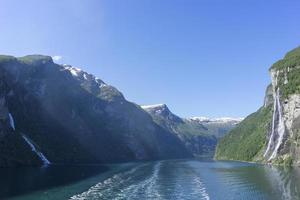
point(11, 121)
point(37, 152)
point(278, 128)
point(273, 128)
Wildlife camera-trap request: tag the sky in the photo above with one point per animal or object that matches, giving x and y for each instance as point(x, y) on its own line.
point(200, 57)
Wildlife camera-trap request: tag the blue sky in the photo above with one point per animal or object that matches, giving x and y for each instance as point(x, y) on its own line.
point(200, 57)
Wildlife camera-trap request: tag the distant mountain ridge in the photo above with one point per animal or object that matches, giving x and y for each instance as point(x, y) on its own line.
point(217, 120)
point(199, 134)
point(159, 108)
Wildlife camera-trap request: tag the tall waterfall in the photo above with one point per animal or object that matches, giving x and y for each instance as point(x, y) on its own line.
point(272, 130)
point(11, 121)
point(38, 153)
point(278, 129)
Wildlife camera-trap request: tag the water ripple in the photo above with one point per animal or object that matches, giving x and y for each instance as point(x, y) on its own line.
point(145, 182)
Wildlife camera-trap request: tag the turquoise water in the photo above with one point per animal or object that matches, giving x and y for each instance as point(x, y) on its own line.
point(170, 179)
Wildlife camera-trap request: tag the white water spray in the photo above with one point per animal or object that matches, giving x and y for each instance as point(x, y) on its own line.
point(11, 121)
point(273, 128)
point(38, 153)
point(278, 127)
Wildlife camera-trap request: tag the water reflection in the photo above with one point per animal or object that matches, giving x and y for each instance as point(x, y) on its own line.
point(285, 181)
point(267, 182)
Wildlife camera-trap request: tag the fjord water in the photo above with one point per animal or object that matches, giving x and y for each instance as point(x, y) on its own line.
point(170, 179)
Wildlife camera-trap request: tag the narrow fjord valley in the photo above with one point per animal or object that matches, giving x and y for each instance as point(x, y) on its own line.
point(199, 134)
point(73, 124)
point(169, 117)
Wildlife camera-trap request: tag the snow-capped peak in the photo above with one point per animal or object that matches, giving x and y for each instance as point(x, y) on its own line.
point(201, 119)
point(216, 120)
point(94, 84)
point(79, 73)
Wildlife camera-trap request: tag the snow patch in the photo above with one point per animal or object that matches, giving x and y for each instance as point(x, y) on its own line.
point(74, 71)
point(153, 106)
point(216, 120)
point(56, 58)
point(84, 76)
point(157, 108)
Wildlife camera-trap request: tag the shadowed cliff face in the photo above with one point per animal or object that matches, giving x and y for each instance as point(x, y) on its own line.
point(13, 149)
point(74, 117)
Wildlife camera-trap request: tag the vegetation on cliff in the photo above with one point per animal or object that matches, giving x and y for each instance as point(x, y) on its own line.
point(289, 73)
point(247, 140)
point(290, 60)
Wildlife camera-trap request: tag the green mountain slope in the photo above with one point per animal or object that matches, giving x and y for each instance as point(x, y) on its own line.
point(246, 141)
point(272, 134)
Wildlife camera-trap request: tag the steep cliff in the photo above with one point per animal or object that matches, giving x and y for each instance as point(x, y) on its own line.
point(69, 116)
point(272, 133)
point(13, 149)
point(283, 144)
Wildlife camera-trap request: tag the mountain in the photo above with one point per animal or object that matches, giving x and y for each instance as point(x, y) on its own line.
point(61, 114)
point(272, 134)
point(198, 134)
point(217, 126)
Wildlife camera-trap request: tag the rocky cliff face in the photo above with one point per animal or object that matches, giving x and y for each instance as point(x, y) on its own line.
point(198, 134)
point(13, 149)
point(70, 116)
point(283, 141)
point(278, 119)
point(268, 96)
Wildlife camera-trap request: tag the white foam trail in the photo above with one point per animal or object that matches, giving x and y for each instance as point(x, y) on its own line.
point(120, 186)
point(138, 184)
point(99, 190)
point(204, 193)
point(38, 153)
point(12, 122)
point(200, 188)
point(148, 186)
